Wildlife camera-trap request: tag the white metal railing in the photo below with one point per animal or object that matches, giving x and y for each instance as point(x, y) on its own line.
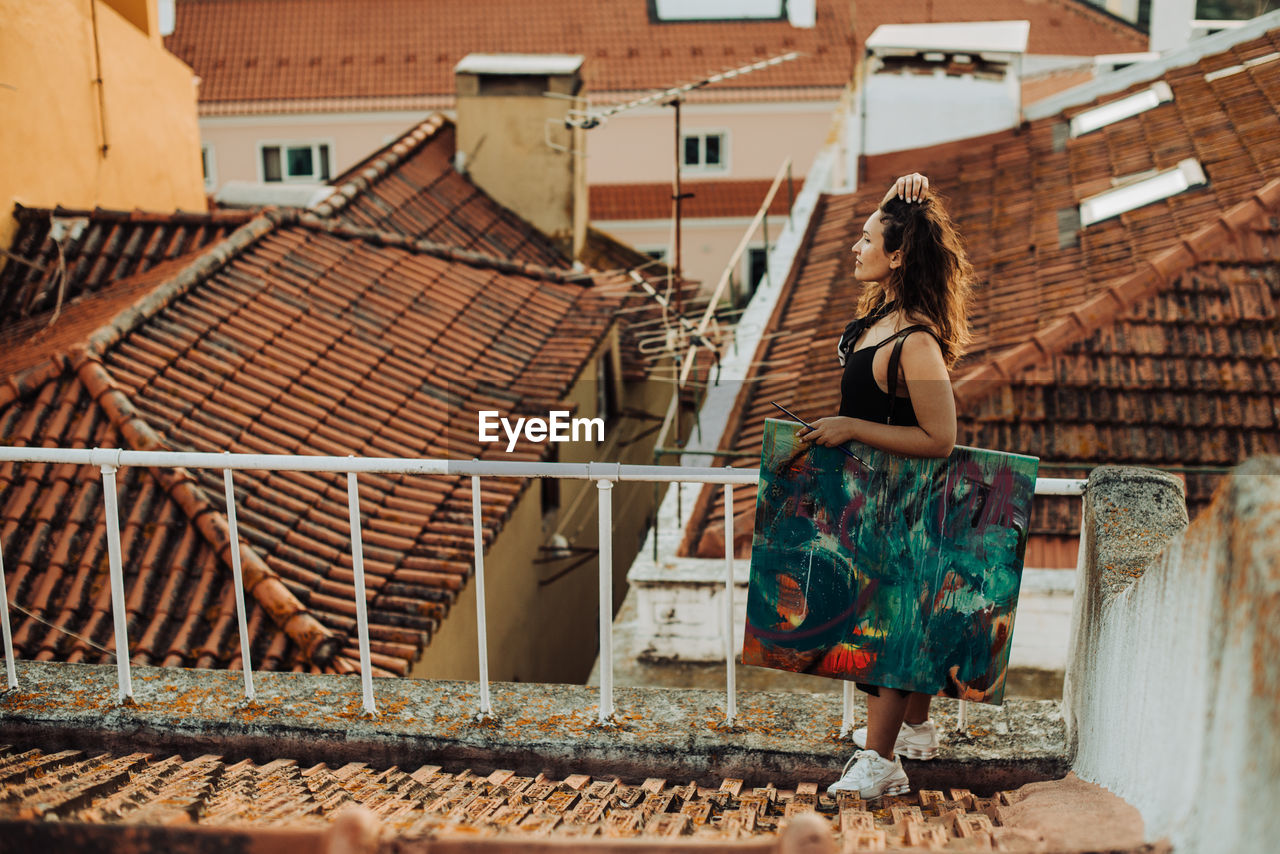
point(605, 475)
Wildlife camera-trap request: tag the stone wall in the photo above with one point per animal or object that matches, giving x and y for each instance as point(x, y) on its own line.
point(1172, 696)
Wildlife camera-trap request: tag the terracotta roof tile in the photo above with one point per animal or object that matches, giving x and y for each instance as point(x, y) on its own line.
point(95, 248)
point(708, 199)
point(1147, 343)
point(289, 336)
point(108, 792)
point(390, 54)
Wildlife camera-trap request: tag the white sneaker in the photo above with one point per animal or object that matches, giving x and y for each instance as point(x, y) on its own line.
point(914, 742)
point(871, 775)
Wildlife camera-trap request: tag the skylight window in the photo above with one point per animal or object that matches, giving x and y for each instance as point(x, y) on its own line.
point(1236, 69)
point(1162, 185)
point(1124, 108)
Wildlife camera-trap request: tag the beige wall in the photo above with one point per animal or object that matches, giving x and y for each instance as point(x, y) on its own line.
point(707, 245)
point(51, 135)
point(639, 146)
point(632, 147)
point(548, 631)
point(233, 140)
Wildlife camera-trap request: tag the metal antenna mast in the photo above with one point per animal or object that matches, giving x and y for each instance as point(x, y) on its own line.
point(673, 97)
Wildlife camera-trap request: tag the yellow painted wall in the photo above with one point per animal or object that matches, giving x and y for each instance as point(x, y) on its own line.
point(543, 623)
point(51, 128)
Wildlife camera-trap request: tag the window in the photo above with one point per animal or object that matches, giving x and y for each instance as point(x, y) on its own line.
point(295, 161)
point(606, 386)
point(209, 167)
point(757, 267)
point(1142, 190)
point(1132, 105)
point(704, 152)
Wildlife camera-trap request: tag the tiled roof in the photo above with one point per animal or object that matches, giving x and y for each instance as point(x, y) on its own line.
point(1153, 341)
point(296, 334)
point(410, 187)
point(81, 251)
point(248, 51)
point(41, 789)
point(708, 199)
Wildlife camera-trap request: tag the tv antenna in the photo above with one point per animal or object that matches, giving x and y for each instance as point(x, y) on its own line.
point(672, 97)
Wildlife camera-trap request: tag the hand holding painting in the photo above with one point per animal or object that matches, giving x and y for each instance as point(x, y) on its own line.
point(800, 420)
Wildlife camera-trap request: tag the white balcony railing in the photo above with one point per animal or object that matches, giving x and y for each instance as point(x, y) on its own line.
point(605, 476)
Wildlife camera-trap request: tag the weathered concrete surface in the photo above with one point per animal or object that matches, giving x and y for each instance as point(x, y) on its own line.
point(676, 734)
point(1173, 690)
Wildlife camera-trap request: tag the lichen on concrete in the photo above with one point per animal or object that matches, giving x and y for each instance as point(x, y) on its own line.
point(536, 728)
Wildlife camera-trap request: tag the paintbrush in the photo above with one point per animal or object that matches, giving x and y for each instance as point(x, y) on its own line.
point(840, 448)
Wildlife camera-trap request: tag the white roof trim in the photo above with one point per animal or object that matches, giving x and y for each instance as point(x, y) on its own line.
point(1127, 107)
point(1187, 174)
point(1118, 81)
point(518, 63)
point(1236, 69)
point(967, 37)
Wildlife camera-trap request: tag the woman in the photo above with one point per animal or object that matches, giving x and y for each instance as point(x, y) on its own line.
point(916, 286)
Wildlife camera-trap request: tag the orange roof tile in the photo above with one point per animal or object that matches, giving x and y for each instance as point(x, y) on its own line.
point(707, 199)
point(106, 802)
point(294, 335)
point(1153, 341)
point(249, 51)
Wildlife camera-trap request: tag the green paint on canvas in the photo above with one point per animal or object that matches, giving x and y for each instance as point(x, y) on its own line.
point(903, 572)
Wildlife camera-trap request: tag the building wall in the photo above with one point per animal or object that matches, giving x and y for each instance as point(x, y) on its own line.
point(639, 145)
point(905, 111)
point(543, 618)
point(233, 141)
point(51, 137)
point(706, 244)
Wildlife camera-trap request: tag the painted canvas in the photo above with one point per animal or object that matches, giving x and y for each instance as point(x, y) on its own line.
point(888, 570)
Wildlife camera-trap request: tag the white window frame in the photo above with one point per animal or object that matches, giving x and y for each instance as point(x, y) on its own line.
point(1123, 108)
point(209, 166)
point(702, 168)
point(747, 284)
point(1145, 190)
point(284, 144)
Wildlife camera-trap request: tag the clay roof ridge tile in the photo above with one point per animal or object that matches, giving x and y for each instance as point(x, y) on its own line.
point(317, 642)
point(209, 262)
point(361, 177)
point(448, 252)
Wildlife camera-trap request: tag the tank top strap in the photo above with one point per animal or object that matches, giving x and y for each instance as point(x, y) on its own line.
point(903, 333)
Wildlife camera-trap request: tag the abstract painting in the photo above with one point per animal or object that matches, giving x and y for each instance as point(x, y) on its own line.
point(888, 570)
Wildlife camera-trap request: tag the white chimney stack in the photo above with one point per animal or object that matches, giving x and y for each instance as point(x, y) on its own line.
point(1171, 23)
point(802, 13)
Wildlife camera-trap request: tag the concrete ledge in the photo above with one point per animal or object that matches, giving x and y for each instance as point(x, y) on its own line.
point(1173, 687)
point(669, 733)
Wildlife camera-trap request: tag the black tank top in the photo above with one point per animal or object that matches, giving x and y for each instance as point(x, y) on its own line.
point(860, 395)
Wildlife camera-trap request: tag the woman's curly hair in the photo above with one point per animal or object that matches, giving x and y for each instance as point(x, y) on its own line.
point(935, 279)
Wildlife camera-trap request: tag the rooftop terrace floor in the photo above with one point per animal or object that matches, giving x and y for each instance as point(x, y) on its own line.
point(190, 754)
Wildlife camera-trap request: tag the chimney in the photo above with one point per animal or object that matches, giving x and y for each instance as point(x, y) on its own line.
point(929, 83)
point(802, 13)
point(1171, 24)
point(513, 140)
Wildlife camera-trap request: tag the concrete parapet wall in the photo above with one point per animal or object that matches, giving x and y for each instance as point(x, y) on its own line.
point(1172, 696)
point(677, 734)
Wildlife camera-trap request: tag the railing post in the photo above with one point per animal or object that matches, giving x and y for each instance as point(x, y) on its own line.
point(246, 663)
point(605, 490)
point(357, 569)
point(123, 675)
point(11, 670)
point(846, 717)
point(730, 674)
point(482, 632)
